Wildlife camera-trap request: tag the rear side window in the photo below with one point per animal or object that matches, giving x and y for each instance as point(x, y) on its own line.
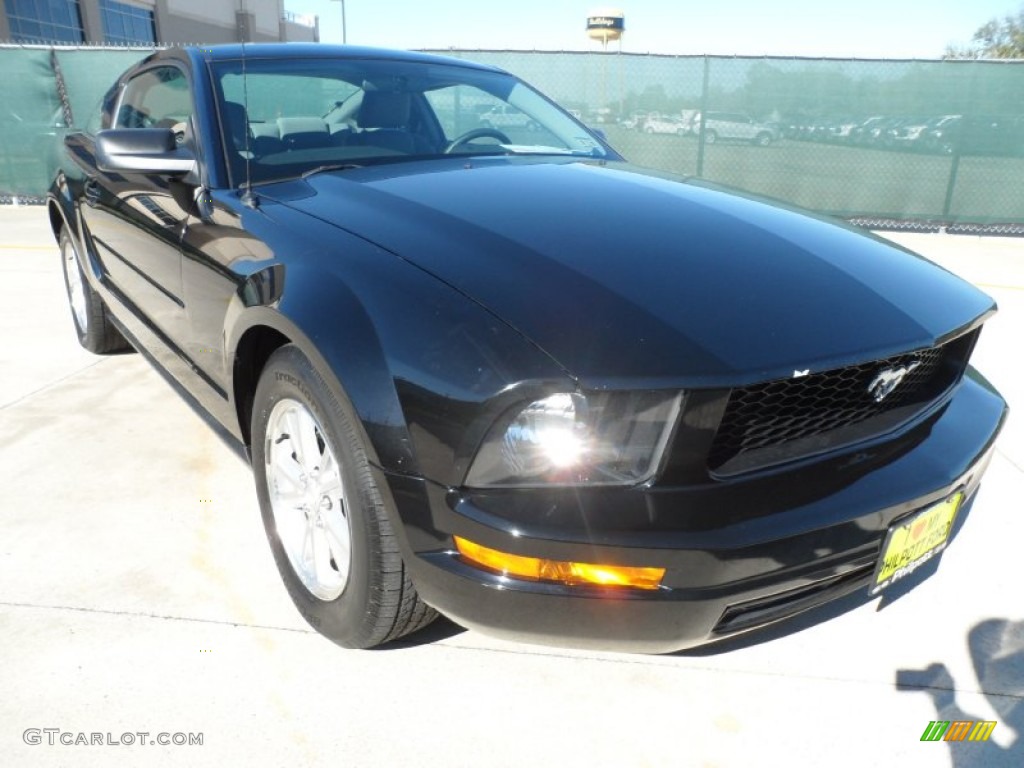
point(157, 98)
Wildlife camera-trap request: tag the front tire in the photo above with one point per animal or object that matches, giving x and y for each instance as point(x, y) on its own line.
point(710, 137)
point(93, 326)
point(323, 512)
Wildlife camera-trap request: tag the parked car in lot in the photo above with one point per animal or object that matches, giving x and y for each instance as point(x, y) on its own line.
point(733, 126)
point(665, 124)
point(840, 131)
point(881, 134)
point(940, 136)
point(909, 133)
point(1000, 135)
point(507, 116)
point(635, 122)
point(868, 131)
point(528, 385)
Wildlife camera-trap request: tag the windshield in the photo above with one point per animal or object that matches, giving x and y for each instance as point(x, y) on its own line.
point(290, 117)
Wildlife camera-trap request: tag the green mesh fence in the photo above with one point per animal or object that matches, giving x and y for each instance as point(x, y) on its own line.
point(933, 142)
point(30, 122)
point(43, 92)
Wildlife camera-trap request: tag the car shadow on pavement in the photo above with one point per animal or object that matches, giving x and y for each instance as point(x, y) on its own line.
point(440, 629)
point(997, 652)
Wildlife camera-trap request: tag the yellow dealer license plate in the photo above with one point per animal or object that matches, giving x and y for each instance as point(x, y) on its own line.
point(913, 542)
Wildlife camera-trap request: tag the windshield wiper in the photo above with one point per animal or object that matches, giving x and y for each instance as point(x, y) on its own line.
point(330, 167)
point(533, 149)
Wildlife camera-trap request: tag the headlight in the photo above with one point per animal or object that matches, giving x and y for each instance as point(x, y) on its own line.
point(602, 438)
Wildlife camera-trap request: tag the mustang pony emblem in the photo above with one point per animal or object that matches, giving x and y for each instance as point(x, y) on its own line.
point(887, 380)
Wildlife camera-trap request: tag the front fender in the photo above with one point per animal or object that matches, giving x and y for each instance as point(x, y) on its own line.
point(355, 366)
point(421, 365)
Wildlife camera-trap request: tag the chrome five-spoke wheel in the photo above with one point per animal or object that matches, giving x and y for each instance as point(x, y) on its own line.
point(325, 515)
point(308, 500)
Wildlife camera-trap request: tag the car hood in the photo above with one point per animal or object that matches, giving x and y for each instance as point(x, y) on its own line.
point(626, 276)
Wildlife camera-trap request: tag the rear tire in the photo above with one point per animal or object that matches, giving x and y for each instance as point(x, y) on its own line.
point(710, 137)
point(92, 321)
point(763, 139)
point(323, 512)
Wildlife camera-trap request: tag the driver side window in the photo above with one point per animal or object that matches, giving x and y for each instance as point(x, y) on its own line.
point(157, 98)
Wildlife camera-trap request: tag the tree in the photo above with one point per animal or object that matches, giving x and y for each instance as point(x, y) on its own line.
point(997, 39)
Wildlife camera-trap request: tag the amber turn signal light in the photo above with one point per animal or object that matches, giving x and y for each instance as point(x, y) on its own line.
point(564, 572)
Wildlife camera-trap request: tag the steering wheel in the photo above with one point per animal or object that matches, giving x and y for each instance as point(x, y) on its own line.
point(476, 133)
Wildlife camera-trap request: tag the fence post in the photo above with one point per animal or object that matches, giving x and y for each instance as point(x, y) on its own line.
point(954, 169)
point(703, 117)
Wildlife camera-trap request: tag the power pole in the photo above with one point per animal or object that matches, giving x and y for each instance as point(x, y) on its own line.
point(344, 30)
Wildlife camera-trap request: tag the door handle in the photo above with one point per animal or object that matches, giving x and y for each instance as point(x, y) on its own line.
point(92, 192)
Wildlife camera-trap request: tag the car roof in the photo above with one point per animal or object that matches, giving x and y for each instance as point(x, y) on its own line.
point(199, 55)
point(236, 51)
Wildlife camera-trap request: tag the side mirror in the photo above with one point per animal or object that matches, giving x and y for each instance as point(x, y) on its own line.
point(142, 150)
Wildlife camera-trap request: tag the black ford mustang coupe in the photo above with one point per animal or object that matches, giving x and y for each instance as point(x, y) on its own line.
point(499, 373)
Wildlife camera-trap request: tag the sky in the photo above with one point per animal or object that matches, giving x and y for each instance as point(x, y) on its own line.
point(894, 29)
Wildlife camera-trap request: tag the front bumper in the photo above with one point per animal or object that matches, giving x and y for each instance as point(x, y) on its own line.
point(739, 553)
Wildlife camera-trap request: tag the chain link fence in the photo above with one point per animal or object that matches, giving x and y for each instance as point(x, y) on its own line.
point(887, 144)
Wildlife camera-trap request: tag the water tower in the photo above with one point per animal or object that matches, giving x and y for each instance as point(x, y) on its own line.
point(606, 24)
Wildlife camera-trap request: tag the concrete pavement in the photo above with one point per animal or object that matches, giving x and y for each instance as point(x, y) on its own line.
point(138, 594)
